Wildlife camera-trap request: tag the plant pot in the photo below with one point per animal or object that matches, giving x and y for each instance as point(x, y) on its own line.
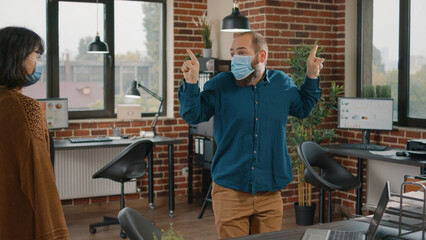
point(210, 65)
point(207, 52)
point(304, 214)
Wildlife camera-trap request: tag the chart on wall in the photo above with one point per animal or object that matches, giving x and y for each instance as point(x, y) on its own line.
point(56, 112)
point(365, 113)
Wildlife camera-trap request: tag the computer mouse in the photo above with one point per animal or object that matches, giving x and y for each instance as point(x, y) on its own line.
point(401, 154)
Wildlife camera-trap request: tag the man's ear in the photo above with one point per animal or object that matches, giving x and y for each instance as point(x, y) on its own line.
point(262, 56)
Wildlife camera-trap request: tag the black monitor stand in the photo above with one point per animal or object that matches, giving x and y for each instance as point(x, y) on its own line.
point(366, 136)
point(365, 140)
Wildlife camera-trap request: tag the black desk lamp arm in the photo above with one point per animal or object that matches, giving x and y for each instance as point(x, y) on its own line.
point(151, 93)
point(156, 117)
point(161, 99)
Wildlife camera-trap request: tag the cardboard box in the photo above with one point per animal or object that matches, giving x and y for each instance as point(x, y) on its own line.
point(129, 111)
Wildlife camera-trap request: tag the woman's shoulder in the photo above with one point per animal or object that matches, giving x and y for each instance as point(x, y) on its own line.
point(34, 116)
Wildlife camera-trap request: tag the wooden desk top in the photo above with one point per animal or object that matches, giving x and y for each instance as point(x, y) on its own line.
point(157, 140)
point(366, 154)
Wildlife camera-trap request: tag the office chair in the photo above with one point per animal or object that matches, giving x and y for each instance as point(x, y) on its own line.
point(127, 165)
point(332, 175)
point(136, 226)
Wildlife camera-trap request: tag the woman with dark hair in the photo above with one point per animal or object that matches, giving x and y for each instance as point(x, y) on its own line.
point(30, 207)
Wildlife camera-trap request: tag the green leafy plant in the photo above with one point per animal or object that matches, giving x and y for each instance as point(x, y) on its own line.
point(169, 234)
point(308, 129)
point(379, 91)
point(204, 24)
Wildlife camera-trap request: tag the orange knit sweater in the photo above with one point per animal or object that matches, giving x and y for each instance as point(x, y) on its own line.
point(29, 202)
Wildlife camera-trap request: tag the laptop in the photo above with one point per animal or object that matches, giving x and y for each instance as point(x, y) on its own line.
point(325, 234)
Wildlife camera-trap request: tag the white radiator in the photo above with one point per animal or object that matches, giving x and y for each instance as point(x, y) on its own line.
point(74, 170)
point(380, 171)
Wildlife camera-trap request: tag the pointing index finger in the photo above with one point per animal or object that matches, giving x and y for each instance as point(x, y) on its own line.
point(313, 51)
point(191, 55)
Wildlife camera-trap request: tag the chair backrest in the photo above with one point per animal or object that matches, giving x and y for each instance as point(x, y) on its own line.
point(136, 226)
point(332, 175)
point(128, 164)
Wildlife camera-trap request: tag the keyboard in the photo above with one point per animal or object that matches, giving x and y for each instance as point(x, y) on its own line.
point(90, 139)
point(342, 235)
point(363, 146)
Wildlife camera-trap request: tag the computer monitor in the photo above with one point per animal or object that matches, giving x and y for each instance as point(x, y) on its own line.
point(56, 112)
point(365, 113)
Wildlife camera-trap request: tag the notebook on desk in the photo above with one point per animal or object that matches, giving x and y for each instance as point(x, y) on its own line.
point(326, 234)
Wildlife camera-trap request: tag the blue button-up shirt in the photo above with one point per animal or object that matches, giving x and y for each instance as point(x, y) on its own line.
point(250, 126)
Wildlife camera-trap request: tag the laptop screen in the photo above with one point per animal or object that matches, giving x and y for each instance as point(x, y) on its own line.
point(380, 209)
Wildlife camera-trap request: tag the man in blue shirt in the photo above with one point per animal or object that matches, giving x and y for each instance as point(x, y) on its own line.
point(250, 105)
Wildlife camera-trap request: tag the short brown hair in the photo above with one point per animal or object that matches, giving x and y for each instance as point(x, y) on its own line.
point(258, 41)
point(16, 44)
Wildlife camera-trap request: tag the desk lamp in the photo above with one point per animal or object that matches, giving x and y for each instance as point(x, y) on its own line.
point(133, 92)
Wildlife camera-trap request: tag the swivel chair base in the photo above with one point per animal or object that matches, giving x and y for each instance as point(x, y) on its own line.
point(110, 220)
point(107, 222)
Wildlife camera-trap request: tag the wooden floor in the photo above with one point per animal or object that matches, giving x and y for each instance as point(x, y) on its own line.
point(185, 219)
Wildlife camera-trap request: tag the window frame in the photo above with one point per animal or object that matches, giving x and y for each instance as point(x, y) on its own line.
point(403, 61)
point(53, 81)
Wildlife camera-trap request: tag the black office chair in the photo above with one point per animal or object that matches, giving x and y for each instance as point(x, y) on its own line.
point(127, 165)
point(332, 175)
point(136, 226)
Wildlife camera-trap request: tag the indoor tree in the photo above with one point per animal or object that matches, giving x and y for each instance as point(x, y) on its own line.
point(310, 128)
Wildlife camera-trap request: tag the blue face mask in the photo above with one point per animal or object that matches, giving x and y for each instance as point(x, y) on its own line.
point(241, 66)
point(33, 78)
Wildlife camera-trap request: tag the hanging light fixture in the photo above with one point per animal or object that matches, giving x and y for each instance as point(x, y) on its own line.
point(97, 46)
point(235, 22)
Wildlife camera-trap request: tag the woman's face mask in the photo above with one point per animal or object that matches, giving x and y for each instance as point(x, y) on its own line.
point(241, 66)
point(33, 78)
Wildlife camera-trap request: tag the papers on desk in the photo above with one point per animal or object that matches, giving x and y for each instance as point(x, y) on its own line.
point(385, 153)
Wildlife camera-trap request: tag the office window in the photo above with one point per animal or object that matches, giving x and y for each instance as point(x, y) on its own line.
point(32, 16)
point(96, 83)
point(417, 80)
point(81, 74)
point(392, 56)
point(139, 38)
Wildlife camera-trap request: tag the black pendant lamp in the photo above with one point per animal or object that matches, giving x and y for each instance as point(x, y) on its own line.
point(235, 22)
point(97, 46)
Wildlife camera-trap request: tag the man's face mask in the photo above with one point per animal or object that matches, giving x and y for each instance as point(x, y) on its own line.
point(33, 78)
point(241, 66)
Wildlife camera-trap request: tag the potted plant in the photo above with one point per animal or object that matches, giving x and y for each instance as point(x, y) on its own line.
point(204, 24)
point(308, 129)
